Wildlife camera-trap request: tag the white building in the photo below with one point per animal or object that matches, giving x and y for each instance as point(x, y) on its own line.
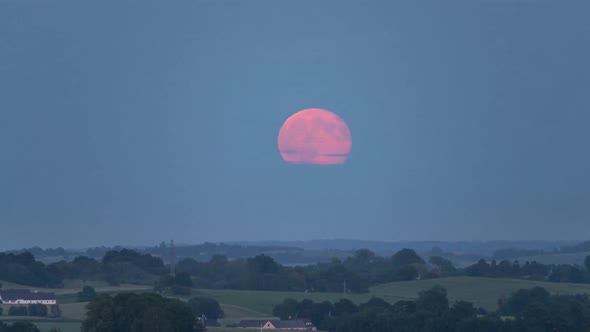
point(25, 296)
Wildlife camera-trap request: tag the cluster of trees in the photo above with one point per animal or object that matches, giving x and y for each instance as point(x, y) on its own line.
point(116, 267)
point(208, 307)
point(178, 284)
point(40, 252)
point(537, 310)
point(23, 268)
point(529, 310)
point(124, 266)
point(355, 274)
point(39, 310)
point(20, 327)
point(87, 294)
point(146, 312)
point(530, 270)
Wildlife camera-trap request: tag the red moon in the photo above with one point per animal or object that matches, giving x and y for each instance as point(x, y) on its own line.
point(315, 136)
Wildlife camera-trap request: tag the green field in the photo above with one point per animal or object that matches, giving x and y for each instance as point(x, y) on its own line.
point(264, 301)
point(63, 326)
point(483, 292)
point(74, 286)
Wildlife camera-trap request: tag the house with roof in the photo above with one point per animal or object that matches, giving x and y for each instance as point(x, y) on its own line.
point(25, 296)
point(275, 324)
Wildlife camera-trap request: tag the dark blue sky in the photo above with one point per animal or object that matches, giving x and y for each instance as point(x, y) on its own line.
point(132, 122)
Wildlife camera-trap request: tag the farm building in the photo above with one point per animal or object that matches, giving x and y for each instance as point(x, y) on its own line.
point(275, 324)
point(25, 296)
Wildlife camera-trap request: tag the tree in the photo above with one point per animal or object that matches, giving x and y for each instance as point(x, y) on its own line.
point(23, 269)
point(182, 317)
point(484, 324)
point(131, 312)
point(586, 264)
point(433, 300)
point(87, 294)
point(462, 310)
point(406, 257)
point(406, 273)
point(537, 317)
point(566, 273)
point(345, 307)
point(165, 282)
point(263, 264)
point(363, 256)
point(183, 279)
point(518, 302)
point(18, 311)
point(444, 265)
point(320, 312)
point(374, 303)
point(37, 310)
point(404, 307)
point(480, 269)
point(285, 310)
point(206, 306)
point(54, 311)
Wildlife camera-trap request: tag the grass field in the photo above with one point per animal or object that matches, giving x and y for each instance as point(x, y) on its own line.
point(263, 301)
point(74, 286)
point(483, 292)
point(63, 326)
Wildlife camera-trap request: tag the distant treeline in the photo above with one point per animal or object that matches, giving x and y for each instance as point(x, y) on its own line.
point(528, 310)
point(125, 266)
point(580, 247)
point(511, 253)
point(353, 274)
point(508, 253)
point(530, 270)
point(301, 252)
point(201, 252)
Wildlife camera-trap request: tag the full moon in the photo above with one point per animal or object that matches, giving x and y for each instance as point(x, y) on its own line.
point(315, 136)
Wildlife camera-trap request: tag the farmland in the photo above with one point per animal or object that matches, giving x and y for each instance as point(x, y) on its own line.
point(483, 292)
